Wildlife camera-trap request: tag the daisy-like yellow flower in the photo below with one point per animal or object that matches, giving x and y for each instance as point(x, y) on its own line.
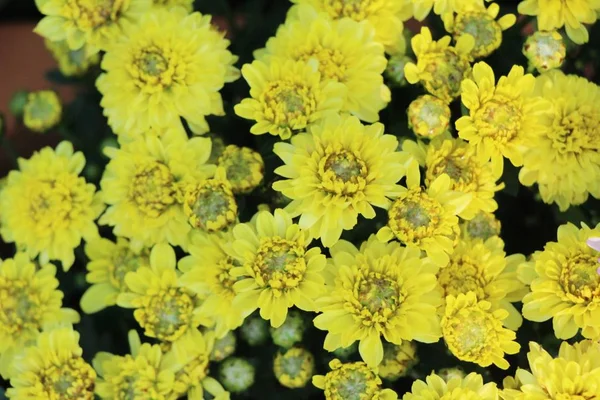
point(91, 23)
point(426, 218)
point(385, 16)
point(53, 368)
point(336, 171)
point(473, 331)
point(277, 270)
point(163, 307)
point(170, 65)
point(244, 168)
point(471, 387)
point(108, 265)
point(345, 51)
point(440, 67)
point(188, 5)
point(564, 284)
point(545, 50)
point(72, 62)
point(294, 368)
point(482, 25)
point(382, 290)
point(352, 380)
point(502, 117)
point(142, 184)
point(572, 14)
point(207, 272)
point(287, 96)
point(484, 269)
point(42, 111)
point(30, 301)
point(573, 374)
point(428, 116)
point(46, 208)
point(468, 173)
point(482, 226)
point(564, 158)
point(397, 360)
point(422, 8)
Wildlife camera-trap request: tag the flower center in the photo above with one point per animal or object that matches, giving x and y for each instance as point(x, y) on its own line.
point(482, 227)
point(575, 131)
point(470, 331)
point(499, 117)
point(42, 109)
point(93, 14)
point(343, 173)
point(484, 29)
point(155, 68)
point(446, 70)
point(71, 379)
point(461, 276)
point(167, 314)
point(579, 278)
point(459, 166)
point(279, 264)
point(124, 261)
point(288, 103)
point(152, 188)
point(378, 294)
point(332, 64)
point(293, 366)
point(21, 309)
point(358, 10)
point(210, 205)
point(351, 382)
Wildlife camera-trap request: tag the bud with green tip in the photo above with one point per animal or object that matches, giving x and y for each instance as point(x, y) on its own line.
point(17, 103)
point(451, 373)
point(294, 367)
point(223, 347)
point(255, 331)
point(397, 360)
point(290, 332)
point(236, 374)
point(395, 69)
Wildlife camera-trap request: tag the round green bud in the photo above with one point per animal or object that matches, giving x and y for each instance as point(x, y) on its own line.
point(290, 332)
point(344, 353)
point(223, 347)
point(17, 103)
point(395, 69)
point(236, 374)
point(254, 331)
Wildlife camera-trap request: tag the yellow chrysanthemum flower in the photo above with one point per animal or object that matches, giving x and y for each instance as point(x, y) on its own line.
point(545, 50)
point(346, 52)
point(440, 67)
point(397, 360)
point(473, 331)
point(46, 208)
point(207, 273)
point(426, 218)
point(564, 158)
point(385, 16)
point(287, 96)
point(483, 226)
point(188, 5)
point(352, 380)
point(91, 23)
point(169, 65)
point(336, 171)
point(502, 117)
point(467, 171)
point(108, 265)
point(29, 302)
point(142, 185)
point(564, 284)
point(470, 387)
point(483, 268)
point(42, 111)
point(294, 368)
point(422, 8)
point(163, 307)
point(572, 14)
point(277, 270)
point(53, 368)
point(482, 25)
point(382, 289)
point(244, 168)
point(573, 374)
point(428, 116)
point(144, 374)
point(72, 62)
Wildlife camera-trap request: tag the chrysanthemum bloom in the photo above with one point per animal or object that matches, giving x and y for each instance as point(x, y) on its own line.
point(72, 62)
point(30, 301)
point(188, 5)
point(336, 171)
point(473, 331)
point(382, 289)
point(167, 66)
point(443, 8)
point(52, 368)
point(554, 14)
point(385, 16)
point(428, 116)
point(483, 226)
point(468, 173)
point(484, 269)
point(440, 67)
point(503, 117)
point(94, 24)
point(224, 347)
point(426, 218)
point(277, 271)
point(207, 273)
point(237, 374)
point(470, 387)
point(46, 208)
point(108, 265)
point(141, 185)
point(287, 96)
point(244, 168)
point(545, 50)
point(573, 374)
point(143, 374)
point(294, 368)
point(564, 158)
point(564, 284)
point(163, 307)
point(482, 25)
point(352, 380)
point(345, 51)
point(397, 360)
point(42, 111)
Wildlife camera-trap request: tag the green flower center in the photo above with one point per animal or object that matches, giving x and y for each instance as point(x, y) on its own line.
point(378, 294)
point(484, 29)
point(73, 379)
point(345, 165)
point(580, 279)
point(499, 117)
point(353, 386)
point(167, 314)
point(152, 188)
